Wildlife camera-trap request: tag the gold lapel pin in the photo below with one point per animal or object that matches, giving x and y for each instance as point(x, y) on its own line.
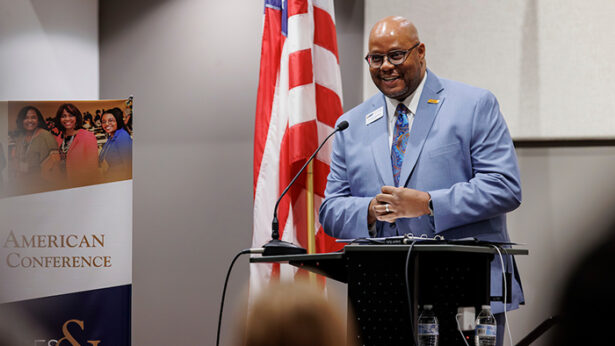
point(433, 101)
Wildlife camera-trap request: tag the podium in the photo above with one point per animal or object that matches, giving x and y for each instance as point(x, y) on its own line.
point(446, 276)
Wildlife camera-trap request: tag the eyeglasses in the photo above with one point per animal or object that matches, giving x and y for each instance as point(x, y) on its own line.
point(395, 57)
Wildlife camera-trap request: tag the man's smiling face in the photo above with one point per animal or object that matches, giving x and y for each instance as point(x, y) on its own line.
point(397, 82)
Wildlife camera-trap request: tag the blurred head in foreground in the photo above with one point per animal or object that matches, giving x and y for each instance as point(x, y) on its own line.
point(587, 305)
point(294, 314)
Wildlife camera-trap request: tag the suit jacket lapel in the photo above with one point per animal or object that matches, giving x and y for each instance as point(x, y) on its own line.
point(423, 120)
point(378, 131)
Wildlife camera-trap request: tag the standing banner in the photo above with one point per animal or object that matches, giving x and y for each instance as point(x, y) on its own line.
point(65, 222)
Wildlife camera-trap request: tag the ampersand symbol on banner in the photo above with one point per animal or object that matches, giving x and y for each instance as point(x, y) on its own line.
point(69, 337)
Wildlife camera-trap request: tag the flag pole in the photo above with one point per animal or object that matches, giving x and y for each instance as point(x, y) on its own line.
point(309, 199)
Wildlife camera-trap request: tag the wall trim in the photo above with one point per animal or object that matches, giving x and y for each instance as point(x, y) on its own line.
point(560, 142)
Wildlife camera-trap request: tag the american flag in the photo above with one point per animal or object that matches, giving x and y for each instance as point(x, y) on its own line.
point(299, 100)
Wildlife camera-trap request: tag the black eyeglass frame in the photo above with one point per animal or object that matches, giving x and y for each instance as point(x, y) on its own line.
point(388, 56)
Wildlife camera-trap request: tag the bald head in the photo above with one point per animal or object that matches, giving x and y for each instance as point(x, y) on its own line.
point(396, 37)
point(394, 26)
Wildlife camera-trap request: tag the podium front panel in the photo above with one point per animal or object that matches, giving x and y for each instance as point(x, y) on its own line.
point(378, 296)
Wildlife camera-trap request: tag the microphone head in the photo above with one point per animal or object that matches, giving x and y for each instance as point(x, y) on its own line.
point(342, 126)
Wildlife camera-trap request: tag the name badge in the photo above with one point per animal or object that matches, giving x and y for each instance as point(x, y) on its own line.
point(373, 116)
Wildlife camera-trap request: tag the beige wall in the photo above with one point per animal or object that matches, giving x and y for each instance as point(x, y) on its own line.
point(547, 61)
point(49, 50)
point(568, 199)
point(193, 69)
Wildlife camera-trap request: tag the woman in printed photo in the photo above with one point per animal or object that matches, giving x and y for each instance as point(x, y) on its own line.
point(115, 158)
point(33, 144)
point(78, 147)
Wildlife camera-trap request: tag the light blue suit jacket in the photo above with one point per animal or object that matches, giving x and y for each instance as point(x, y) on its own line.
point(459, 150)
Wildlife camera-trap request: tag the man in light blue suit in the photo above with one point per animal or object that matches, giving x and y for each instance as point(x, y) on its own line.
point(425, 156)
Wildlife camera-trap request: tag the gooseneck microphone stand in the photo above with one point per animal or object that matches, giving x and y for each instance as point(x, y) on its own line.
point(279, 247)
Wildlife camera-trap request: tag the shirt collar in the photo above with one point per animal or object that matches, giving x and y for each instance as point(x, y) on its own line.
point(411, 102)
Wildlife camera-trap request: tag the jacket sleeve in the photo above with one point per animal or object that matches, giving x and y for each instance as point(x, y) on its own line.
point(341, 214)
point(495, 186)
point(125, 148)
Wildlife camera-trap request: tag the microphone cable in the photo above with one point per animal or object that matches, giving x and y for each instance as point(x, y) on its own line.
point(506, 324)
point(228, 274)
point(410, 309)
point(459, 329)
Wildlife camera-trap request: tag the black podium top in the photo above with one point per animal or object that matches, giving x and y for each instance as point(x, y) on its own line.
point(332, 264)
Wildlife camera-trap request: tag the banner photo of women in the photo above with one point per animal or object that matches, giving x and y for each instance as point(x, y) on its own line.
point(56, 145)
point(66, 222)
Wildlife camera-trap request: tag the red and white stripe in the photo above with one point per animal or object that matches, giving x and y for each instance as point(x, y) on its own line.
point(299, 100)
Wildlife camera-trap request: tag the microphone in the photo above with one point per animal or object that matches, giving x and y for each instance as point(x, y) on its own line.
point(340, 127)
point(280, 247)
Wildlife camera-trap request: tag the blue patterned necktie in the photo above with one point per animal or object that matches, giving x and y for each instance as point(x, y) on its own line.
point(400, 140)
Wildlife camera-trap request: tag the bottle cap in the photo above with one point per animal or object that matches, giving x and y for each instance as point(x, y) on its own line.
point(427, 306)
point(486, 307)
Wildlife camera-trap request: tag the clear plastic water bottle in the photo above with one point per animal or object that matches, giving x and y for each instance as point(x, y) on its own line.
point(428, 327)
point(486, 328)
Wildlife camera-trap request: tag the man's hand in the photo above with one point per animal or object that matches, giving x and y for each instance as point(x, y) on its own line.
point(397, 202)
point(374, 213)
